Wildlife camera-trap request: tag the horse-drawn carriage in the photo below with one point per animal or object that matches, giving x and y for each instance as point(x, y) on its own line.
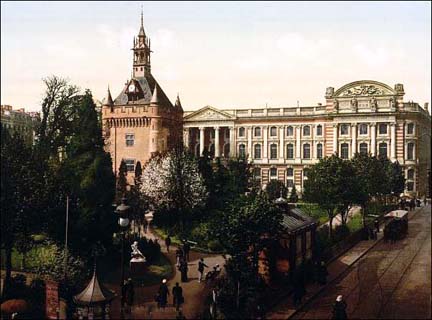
point(396, 225)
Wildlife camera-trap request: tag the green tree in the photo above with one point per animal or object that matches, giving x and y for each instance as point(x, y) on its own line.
point(121, 181)
point(276, 189)
point(293, 198)
point(323, 186)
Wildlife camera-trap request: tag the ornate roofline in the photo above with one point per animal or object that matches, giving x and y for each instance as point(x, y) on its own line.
point(364, 82)
point(191, 115)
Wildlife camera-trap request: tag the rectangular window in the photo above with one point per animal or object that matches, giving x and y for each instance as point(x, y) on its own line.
point(290, 183)
point(130, 139)
point(319, 130)
point(410, 186)
point(130, 165)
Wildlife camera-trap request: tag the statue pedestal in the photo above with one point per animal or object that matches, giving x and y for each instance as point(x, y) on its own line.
point(138, 267)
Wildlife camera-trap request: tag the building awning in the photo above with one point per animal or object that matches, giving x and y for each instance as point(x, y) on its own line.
point(95, 293)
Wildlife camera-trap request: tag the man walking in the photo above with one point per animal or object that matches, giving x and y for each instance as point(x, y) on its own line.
point(167, 242)
point(201, 266)
point(186, 249)
point(177, 293)
point(339, 308)
point(183, 270)
point(163, 294)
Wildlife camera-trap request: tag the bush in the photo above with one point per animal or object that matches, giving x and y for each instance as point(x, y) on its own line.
point(215, 245)
point(200, 233)
point(341, 232)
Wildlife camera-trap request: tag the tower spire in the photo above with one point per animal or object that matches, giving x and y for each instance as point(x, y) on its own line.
point(142, 19)
point(141, 31)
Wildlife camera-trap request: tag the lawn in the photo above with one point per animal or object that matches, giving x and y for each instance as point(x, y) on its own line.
point(32, 257)
point(314, 211)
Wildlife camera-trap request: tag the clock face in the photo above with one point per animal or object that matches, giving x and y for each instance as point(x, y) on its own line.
point(131, 88)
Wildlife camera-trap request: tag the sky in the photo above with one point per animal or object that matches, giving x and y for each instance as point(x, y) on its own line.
point(223, 54)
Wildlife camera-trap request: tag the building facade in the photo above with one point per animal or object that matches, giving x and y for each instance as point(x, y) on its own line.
point(141, 120)
point(20, 121)
point(362, 116)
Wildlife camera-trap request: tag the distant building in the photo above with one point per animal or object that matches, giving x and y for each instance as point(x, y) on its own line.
point(19, 121)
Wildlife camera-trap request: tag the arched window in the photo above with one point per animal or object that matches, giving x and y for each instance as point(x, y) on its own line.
point(410, 151)
point(257, 132)
point(257, 174)
point(382, 128)
point(319, 151)
point(382, 149)
point(410, 129)
point(363, 148)
point(306, 151)
point(290, 151)
point(363, 129)
point(273, 173)
point(242, 132)
point(290, 177)
point(273, 151)
point(273, 132)
point(319, 130)
point(344, 150)
point(257, 151)
point(306, 131)
point(344, 128)
point(290, 131)
point(410, 174)
point(242, 151)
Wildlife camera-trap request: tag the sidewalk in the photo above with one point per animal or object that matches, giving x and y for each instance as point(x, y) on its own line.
point(285, 309)
point(194, 292)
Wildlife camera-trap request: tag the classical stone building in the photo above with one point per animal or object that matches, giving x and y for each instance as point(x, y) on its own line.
point(362, 116)
point(20, 121)
point(141, 120)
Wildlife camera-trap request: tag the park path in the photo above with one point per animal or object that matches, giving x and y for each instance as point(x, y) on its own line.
point(194, 292)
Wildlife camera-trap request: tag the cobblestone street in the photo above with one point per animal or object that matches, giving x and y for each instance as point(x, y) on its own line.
point(392, 281)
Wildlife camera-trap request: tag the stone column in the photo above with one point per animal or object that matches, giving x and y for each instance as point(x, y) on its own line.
point(232, 142)
point(298, 146)
point(201, 140)
point(335, 138)
point(393, 142)
point(265, 145)
point(354, 139)
point(217, 151)
point(249, 142)
point(281, 143)
point(186, 138)
point(372, 128)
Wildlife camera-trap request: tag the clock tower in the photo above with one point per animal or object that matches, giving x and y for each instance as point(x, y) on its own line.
point(141, 57)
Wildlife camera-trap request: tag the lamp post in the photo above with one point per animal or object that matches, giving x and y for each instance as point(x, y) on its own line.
point(123, 221)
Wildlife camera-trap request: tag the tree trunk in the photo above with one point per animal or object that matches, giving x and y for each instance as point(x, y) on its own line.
point(363, 209)
point(331, 228)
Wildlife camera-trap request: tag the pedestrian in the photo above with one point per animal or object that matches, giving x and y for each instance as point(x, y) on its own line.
point(186, 249)
point(163, 294)
point(178, 298)
point(412, 204)
point(167, 242)
point(183, 270)
point(130, 294)
point(201, 266)
point(179, 256)
point(322, 273)
point(376, 222)
point(339, 308)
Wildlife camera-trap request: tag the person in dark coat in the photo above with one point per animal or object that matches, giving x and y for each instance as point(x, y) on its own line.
point(177, 293)
point(163, 294)
point(186, 249)
point(339, 308)
point(167, 242)
point(322, 273)
point(201, 266)
point(130, 294)
point(183, 270)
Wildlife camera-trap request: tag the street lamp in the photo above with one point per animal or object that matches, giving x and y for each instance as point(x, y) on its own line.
point(123, 221)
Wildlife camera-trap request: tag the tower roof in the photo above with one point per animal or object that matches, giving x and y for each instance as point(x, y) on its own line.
point(109, 100)
point(155, 98)
point(178, 103)
point(142, 32)
point(94, 293)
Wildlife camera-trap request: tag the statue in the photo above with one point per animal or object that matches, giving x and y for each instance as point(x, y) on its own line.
point(373, 104)
point(136, 254)
point(336, 105)
point(354, 104)
point(329, 92)
point(392, 104)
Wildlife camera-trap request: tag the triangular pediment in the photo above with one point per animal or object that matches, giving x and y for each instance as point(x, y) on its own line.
point(208, 113)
